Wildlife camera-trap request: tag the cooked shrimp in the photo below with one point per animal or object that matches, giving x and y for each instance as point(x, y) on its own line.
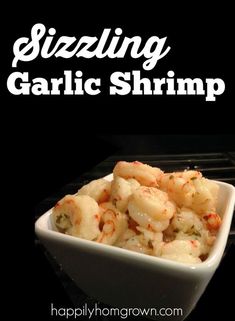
point(98, 189)
point(137, 243)
point(170, 215)
point(146, 220)
point(205, 198)
point(186, 251)
point(77, 215)
point(187, 225)
point(121, 189)
point(150, 208)
point(144, 174)
point(154, 240)
point(190, 189)
point(124, 237)
point(212, 221)
point(187, 221)
point(205, 239)
point(113, 224)
point(179, 186)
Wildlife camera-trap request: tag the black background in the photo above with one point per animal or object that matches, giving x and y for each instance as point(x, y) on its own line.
point(201, 46)
point(51, 140)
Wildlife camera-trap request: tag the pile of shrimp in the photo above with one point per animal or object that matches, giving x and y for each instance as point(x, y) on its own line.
point(143, 209)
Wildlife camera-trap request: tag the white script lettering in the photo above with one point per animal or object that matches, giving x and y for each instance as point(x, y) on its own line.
point(40, 44)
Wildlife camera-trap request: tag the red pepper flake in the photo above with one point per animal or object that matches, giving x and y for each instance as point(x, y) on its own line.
point(104, 197)
point(213, 221)
point(97, 216)
point(206, 217)
point(69, 201)
point(193, 243)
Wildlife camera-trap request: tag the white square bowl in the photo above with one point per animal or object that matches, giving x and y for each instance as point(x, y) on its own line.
point(122, 278)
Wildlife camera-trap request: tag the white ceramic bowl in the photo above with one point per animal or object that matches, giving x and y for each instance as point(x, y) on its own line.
point(123, 278)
